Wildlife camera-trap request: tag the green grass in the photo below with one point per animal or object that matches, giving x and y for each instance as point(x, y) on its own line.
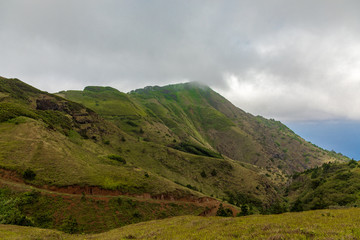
point(331, 185)
point(129, 146)
point(320, 224)
point(60, 160)
point(63, 160)
point(90, 213)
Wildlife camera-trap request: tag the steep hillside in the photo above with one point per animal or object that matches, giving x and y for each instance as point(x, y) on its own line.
point(331, 185)
point(193, 118)
point(64, 147)
point(63, 143)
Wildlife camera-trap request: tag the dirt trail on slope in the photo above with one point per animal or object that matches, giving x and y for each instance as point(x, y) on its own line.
point(13, 181)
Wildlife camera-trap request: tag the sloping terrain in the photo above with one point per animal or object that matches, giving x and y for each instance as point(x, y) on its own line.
point(192, 117)
point(331, 185)
point(55, 144)
point(320, 224)
point(99, 159)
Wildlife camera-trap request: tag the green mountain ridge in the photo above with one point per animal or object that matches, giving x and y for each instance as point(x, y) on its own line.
point(194, 113)
point(163, 151)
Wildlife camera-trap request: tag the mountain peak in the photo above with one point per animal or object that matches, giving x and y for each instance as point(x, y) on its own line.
point(99, 89)
point(173, 87)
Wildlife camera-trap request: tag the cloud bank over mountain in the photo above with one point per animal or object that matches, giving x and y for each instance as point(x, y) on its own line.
point(290, 60)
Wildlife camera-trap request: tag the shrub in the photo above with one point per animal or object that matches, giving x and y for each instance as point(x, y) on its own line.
point(203, 174)
point(192, 187)
point(131, 123)
point(224, 212)
point(137, 214)
point(197, 150)
point(245, 210)
point(70, 225)
point(29, 174)
point(117, 158)
point(297, 207)
point(353, 163)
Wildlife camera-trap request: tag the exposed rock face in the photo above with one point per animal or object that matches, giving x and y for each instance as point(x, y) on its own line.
point(85, 121)
point(46, 102)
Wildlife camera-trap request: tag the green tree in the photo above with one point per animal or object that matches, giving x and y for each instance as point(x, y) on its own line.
point(297, 207)
point(224, 212)
point(70, 225)
point(245, 210)
point(29, 174)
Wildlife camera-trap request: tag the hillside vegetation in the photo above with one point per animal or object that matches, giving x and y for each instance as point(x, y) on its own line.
point(319, 224)
point(331, 185)
point(193, 114)
point(52, 143)
point(93, 160)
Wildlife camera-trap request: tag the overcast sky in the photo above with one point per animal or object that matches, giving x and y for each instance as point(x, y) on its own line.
point(286, 59)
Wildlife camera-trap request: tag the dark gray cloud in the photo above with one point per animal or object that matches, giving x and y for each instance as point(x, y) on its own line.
point(287, 59)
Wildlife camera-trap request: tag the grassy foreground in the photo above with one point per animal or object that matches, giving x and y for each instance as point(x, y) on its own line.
point(319, 224)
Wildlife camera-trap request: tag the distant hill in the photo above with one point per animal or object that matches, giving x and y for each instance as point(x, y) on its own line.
point(331, 185)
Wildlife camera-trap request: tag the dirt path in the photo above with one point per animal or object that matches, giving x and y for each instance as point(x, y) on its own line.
point(17, 184)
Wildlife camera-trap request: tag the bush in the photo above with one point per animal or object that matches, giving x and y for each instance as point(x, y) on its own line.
point(297, 207)
point(29, 174)
point(245, 210)
point(70, 225)
point(131, 123)
point(203, 174)
point(224, 212)
point(137, 214)
point(192, 187)
point(276, 208)
point(10, 209)
point(117, 158)
point(12, 110)
point(197, 150)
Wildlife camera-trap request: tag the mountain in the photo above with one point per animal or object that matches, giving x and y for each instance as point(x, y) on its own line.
point(193, 114)
point(76, 162)
point(99, 159)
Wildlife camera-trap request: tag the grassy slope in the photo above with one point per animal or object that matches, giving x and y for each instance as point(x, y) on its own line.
point(70, 160)
point(61, 156)
point(91, 213)
point(320, 224)
point(212, 120)
point(66, 144)
point(194, 113)
point(331, 185)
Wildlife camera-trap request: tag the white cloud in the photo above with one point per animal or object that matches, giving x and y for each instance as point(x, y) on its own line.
point(287, 59)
